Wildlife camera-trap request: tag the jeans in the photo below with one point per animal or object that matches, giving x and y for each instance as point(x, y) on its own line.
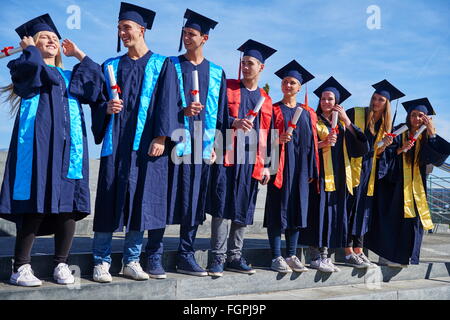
point(291, 236)
point(225, 244)
point(131, 247)
point(318, 253)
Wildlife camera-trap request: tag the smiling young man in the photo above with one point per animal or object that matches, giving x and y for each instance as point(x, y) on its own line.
point(134, 153)
point(234, 184)
point(189, 179)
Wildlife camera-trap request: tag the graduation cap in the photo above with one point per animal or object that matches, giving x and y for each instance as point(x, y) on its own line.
point(340, 93)
point(142, 16)
point(295, 70)
point(41, 23)
point(198, 22)
point(256, 50)
point(422, 105)
point(387, 90)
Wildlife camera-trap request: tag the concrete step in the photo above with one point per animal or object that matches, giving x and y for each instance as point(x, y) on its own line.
point(421, 289)
point(178, 286)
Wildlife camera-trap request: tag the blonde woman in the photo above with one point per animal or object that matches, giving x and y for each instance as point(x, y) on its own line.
point(376, 123)
point(46, 184)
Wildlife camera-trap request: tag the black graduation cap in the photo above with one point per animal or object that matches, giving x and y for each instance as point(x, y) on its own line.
point(256, 50)
point(422, 104)
point(41, 23)
point(295, 70)
point(198, 22)
point(387, 90)
point(140, 15)
point(340, 93)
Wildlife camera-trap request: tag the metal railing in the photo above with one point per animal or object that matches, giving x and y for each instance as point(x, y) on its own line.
point(438, 195)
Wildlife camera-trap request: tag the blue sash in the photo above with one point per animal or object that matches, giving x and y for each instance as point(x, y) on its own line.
point(152, 71)
point(25, 141)
point(211, 108)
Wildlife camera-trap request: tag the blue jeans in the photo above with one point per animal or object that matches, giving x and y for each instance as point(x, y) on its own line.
point(132, 246)
point(291, 236)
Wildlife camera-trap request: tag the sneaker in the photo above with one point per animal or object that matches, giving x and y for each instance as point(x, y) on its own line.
point(332, 265)
point(101, 273)
point(186, 264)
point(280, 265)
point(154, 267)
point(356, 262)
point(63, 275)
point(216, 267)
point(295, 264)
point(366, 260)
point(239, 265)
point(385, 262)
point(134, 271)
point(321, 265)
point(25, 277)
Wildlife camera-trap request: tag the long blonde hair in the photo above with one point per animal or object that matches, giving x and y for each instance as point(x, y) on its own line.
point(13, 99)
point(386, 118)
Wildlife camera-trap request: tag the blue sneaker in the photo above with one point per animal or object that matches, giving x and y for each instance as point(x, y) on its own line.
point(239, 265)
point(216, 267)
point(186, 264)
point(154, 267)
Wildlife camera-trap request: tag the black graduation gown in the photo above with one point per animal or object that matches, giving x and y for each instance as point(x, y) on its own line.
point(359, 205)
point(51, 191)
point(132, 186)
point(390, 235)
point(327, 224)
point(188, 183)
point(287, 208)
point(233, 190)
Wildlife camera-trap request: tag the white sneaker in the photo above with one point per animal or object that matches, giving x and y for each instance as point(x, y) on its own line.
point(63, 275)
point(332, 265)
point(280, 265)
point(101, 273)
point(24, 277)
point(366, 260)
point(295, 264)
point(321, 265)
point(134, 271)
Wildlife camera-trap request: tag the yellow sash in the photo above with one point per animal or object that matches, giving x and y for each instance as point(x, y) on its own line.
point(360, 122)
point(323, 132)
point(413, 190)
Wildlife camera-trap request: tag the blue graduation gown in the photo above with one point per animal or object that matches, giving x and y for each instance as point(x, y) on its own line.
point(233, 190)
point(287, 208)
point(327, 224)
point(188, 183)
point(390, 235)
point(51, 191)
point(359, 205)
point(126, 191)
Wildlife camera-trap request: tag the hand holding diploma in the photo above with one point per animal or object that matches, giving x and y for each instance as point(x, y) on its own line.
point(115, 105)
point(334, 120)
point(195, 107)
point(389, 136)
point(416, 135)
point(251, 115)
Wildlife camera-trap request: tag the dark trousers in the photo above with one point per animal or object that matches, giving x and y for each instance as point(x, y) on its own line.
point(65, 229)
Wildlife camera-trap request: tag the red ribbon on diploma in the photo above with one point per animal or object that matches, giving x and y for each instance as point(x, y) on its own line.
point(411, 138)
point(194, 92)
point(251, 113)
point(293, 126)
point(335, 130)
point(117, 88)
point(5, 50)
point(393, 135)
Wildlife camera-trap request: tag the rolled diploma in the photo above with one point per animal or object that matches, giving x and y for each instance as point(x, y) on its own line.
point(251, 118)
point(396, 133)
point(195, 86)
point(334, 120)
point(11, 52)
point(418, 133)
point(113, 83)
point(295, 118)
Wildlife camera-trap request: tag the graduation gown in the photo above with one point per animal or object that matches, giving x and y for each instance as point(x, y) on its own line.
point(359, 205)
point(51, 191)
point(390, 235)
point(233, 190)
point(327, 224)
point(287, 208)
point(132, 186)
point(189, 181)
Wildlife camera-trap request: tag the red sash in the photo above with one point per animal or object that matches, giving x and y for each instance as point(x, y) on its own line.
point(279, 124)
point(234, 102)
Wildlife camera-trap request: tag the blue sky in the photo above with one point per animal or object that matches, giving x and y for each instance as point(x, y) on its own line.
point(411, 49)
